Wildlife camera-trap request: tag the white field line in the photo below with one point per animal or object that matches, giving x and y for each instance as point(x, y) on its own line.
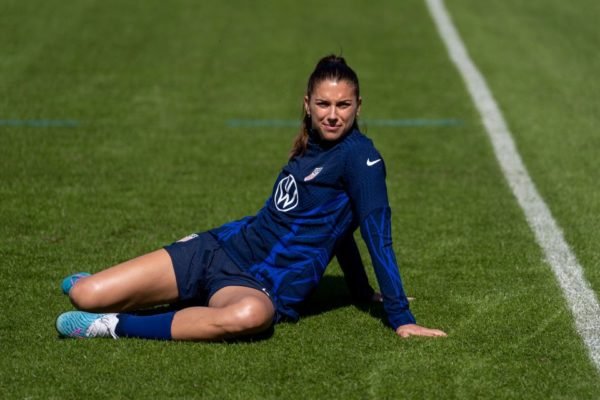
point(580, 297)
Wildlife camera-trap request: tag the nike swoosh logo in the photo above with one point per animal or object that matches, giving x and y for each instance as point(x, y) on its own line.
point(371, 163)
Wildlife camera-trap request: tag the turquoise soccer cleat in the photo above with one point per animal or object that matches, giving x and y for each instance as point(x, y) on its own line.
point(81, 324)
point(70, 280)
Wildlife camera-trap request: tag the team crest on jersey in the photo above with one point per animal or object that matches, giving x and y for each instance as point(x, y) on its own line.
point(286, 195)
point(313, 174)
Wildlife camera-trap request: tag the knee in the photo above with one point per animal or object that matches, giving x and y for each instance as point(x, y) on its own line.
point(86, 295)
point(251, 315)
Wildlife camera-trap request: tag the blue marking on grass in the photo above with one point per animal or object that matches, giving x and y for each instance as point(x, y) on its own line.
point(271, 123)
point(412, 122)
point(286, 123)
point(40, 123)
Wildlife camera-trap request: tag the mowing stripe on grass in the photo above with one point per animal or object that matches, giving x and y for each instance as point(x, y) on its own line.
point(39, 123)
point(580, 297)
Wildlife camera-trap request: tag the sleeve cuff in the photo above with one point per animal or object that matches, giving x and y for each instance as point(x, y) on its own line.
point(403, 318)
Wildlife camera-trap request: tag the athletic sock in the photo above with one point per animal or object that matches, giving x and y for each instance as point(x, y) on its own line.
point(157, 326)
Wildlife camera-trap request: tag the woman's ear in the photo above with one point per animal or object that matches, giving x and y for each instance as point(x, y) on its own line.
point(306, 106)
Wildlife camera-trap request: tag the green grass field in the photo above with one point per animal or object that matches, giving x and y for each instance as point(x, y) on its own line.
point(115, 139)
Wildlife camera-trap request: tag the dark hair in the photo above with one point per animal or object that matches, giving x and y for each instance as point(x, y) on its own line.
point(330, 67)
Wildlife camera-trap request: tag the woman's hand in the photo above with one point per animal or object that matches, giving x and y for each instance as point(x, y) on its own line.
point(410, 329)
point(378, 298)
point(417, 330)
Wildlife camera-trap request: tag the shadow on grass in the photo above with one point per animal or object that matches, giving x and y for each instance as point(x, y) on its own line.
point(331, 294)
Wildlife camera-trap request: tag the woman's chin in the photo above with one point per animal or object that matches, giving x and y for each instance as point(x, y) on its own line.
point(331, 136)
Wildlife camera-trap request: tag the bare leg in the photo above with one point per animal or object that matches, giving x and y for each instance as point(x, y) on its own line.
point(232, 312)
point(144, 281)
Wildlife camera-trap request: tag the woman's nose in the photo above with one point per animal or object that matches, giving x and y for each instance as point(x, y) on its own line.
point(332, 115)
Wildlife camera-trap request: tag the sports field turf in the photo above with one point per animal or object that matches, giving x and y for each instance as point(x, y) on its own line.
point(116, 138)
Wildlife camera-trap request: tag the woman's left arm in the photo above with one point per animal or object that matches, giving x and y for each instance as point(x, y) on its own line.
point(364, 178)
point(377, 234)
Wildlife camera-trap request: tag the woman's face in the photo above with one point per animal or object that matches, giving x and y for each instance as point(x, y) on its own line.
point(333, 107)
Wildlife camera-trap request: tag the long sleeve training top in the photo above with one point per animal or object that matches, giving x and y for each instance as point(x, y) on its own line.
point(317, 201)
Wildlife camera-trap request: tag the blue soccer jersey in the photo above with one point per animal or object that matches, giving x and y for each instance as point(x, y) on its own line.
point(318, 199)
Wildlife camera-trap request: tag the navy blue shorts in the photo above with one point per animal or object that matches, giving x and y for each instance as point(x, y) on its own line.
point(202, 268)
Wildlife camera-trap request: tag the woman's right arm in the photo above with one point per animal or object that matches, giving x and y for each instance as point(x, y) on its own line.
point(348, 256)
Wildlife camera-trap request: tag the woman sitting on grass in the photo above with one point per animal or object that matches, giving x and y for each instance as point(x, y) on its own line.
point(252, 273)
